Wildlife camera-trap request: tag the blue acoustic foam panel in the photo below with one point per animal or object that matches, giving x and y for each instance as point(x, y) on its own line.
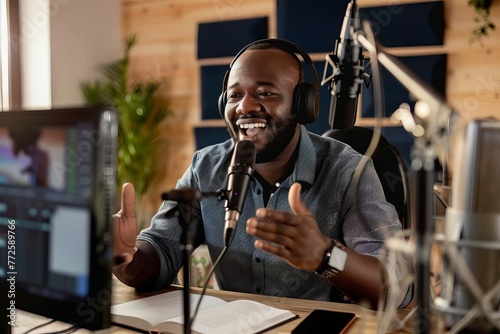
point(211, 88)
point(414, 24)
point(431, 69)
point(312, 24)
point(206, 136)
point(226, 38)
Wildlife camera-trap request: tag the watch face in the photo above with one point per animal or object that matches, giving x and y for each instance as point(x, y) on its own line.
point(337, 258)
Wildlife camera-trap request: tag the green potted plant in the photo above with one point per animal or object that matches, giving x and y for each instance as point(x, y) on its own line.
point(482, 8)
point(140, 119)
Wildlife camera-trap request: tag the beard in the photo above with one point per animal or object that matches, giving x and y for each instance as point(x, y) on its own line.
point(277, 141)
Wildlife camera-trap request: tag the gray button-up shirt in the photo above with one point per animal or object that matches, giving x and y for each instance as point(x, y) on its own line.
point(360, 219)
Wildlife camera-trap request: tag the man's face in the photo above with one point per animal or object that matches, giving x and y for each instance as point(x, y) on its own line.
point(259, 100)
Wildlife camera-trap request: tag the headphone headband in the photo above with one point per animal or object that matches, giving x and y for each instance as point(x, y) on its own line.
point(283, 44)
point(306, 96)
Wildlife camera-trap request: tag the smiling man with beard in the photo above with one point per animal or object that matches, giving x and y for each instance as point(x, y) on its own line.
point(307, 229)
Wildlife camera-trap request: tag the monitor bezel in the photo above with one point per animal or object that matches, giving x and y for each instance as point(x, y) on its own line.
point(92, 311)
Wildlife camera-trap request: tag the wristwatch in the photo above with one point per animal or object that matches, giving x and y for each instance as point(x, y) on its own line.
point(333, 261)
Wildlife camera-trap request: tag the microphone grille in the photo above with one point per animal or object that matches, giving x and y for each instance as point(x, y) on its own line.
point(244, 153)
point(476, 182)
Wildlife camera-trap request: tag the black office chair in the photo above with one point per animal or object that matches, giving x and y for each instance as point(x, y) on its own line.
point(388, 164)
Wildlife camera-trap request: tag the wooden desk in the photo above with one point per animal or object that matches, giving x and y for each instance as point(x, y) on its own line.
point(366, 323)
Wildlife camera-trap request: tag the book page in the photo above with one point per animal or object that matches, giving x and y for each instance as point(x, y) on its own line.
point(157, 309)
point(239, 316)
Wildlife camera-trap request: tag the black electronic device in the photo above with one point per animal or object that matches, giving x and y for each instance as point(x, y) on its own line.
point(325, 321)
point(57, 197)
point(305, 105)
point(239, 178)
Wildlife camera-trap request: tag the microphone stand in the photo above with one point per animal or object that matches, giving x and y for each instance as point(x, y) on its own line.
point(434, 123)
point(185, 199)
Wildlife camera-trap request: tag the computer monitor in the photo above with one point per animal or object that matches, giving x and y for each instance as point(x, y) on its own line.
point(57, 197)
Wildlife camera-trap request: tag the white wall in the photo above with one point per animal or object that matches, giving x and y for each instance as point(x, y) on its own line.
point(4, 57)
point(62, 42)
point(84, 34)
point(34, 47)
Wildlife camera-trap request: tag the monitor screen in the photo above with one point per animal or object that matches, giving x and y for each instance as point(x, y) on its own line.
point(57, 189)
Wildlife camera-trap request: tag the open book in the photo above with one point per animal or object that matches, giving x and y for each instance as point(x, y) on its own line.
point(164, 312)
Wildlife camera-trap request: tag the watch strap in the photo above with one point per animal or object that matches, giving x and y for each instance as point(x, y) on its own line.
point(324, 269)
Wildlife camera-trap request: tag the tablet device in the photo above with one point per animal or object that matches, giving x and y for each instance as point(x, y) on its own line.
point(57, 197)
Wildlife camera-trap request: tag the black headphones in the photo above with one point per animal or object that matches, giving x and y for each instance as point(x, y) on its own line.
point(305, 103)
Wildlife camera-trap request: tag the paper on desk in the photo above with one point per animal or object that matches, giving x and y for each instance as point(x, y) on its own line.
point(239, 316)
point(158, 308)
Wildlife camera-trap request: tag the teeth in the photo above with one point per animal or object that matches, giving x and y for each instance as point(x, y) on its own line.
point(252, 125)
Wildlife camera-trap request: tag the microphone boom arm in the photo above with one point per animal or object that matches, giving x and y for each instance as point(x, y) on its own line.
point(434, 121)
point(435, 124)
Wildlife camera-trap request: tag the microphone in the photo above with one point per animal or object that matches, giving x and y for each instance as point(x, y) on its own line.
point(239, 176)
point(346, 79)
point(471, 268)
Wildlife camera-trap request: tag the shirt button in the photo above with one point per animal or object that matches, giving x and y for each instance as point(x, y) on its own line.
point(258, 192)
point(257, 290)
point(257, 259)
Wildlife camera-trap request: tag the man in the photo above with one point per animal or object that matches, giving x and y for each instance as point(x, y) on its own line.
point(302, 206)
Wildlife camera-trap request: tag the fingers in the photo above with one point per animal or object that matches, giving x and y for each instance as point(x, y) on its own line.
point(280, 222)
point(275, 249)
point(255, 225)
point(294, 235)
point(128, 201)
point(278, 216)
point(272, 231)
point(298, 208)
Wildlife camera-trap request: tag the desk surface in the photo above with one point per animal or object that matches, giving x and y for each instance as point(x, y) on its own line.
point(366, 322)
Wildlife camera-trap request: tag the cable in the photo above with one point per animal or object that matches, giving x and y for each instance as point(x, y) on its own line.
point(68, 330)
point(378, 108)
point(39, 326)
point(207, 279)
point(441, 198)
point(378, 100)
point(71, 329)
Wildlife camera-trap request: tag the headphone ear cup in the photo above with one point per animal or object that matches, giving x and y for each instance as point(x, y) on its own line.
point(222, 107)
point(223, 96)
point(222, 104)
point(305, 103)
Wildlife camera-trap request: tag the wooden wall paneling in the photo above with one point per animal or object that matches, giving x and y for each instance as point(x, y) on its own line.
point(167, 50)
point(459, 24)
point(474, 83)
